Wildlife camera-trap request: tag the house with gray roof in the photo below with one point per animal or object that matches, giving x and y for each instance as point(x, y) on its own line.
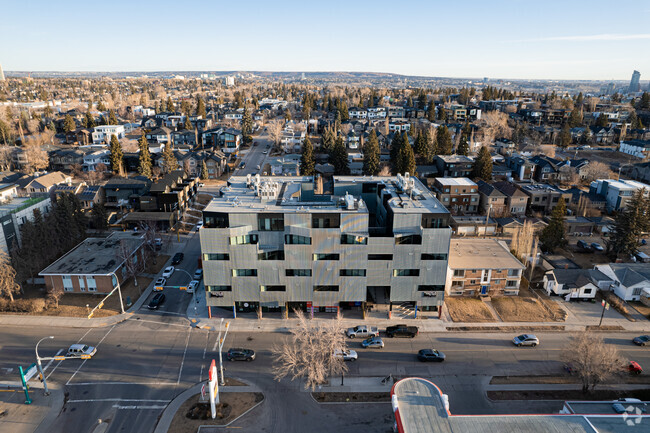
point(630, 279)
point(575, 283)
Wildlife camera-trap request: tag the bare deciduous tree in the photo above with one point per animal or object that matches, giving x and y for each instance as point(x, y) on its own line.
point(593, 361)
point(133, 262)
point(522, 241)
point(8, 284)
point(495, 125)
point(274, 128)
point(35, 156)
point(308, 353)
point(597, 170)
point(54, 294)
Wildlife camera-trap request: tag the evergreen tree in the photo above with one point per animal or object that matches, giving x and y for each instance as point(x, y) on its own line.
point(371, 154)
point(443, 141)
point(395, 146)
point(575, 119)
point(200, 108)
point(188, 124)
point(406, 158)
point(307, 163)
point(339, 158)
point(565, 136)
point(204, 171)
point(89, 120)
point(644, 103)
point(586, 136)
point(169, 160)
point(431, 112)
point(482, 168)
point(343, 109)
point(247, 125)
point(327, 141)
point(629, 225)
point(170, 105)
point(554, 234)
point(68, 124)
point(602, 120)
point(116, 156)
point(463, 145)
point(99, 217)
point(100, 106)
point(421, 147)
point(442, 114)
point(144, 167)
point(112, 118)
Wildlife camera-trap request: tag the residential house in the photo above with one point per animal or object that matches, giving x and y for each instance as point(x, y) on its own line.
point(45, 184)
point(638, 148)
point(454, 165)
point(216, 162)
point(353, 141)
point(399, 125)
point(376, 112)
point(358, 113)
point(492, 200)
point(473, 225)
point(603, 135)
point(630, 279)
point(396, 112)
point(457, 113)
point(579, 226)
point(65, 188)
point(125, 192)
point(229, 140)
point(522, 168)
point(505, 146)
point(508, 226)
point(185, 138)
point(482, 267)
point(575, 283)
point(150, 123)
point(617, 193)
point(160, 135)
point(459, 195)
point(93, 159)
point(91, 195)
point(546, 169)
point(67, 159)
point(174, 121)
point(16, 211)
point(641, 172)
point(102, 134)
point(80, 136)
point(544, 197)
point(96, 265)
point(516, 199)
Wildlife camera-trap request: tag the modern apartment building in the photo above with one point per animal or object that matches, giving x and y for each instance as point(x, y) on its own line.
point(459, 194)
point(283, 243)
point(102, 134)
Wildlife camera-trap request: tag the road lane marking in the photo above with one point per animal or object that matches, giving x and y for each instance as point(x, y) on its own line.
point(84, 361)
point(130, 400)
point(158, 323)
point(123, 383)
point(187, 342)
point(117, 406)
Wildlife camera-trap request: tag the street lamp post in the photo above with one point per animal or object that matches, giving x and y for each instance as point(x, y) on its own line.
point(220, 342)
point(119, 291)
point(40, 366)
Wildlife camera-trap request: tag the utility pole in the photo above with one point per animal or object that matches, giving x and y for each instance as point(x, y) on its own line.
point(221, 341)
point(40, 366)
point(487, 218)
point(605, 307)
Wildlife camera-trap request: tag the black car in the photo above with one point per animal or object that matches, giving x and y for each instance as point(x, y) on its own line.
point(434, 355)
point(156, 301)
point(178, 257)
point(642, 340)
point(239, 354)
point(402, 331)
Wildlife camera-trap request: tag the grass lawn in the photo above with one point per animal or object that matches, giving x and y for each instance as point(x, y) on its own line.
point(641, 308)
point(468, 310)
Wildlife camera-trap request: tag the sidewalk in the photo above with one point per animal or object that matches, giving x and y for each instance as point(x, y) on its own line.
point(30, 418)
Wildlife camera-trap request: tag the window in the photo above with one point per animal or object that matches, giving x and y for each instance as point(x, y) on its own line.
point(459, 272)
point(216, 256)
point(270, 222)
point(326, 257)
point(326, 288)
point(352, 273)
point(244, 272)
point(82, 284)
point(380, 257)
point(511, 283)
point(298, 272)
point(432, 288)
point(514, 272)
point(218, 288)
point(408, 240)
point(244, 240)
point(369, 188)
point(271, 255)
point(473, 281)
point(429, 256)
point(456, 284)
point(326, 221)
point(67, 284)
point(215, 220)
point(273, 288)
point(92, 284)
point(406, 272)
point(433, 221)
point(297, 240)
point(353, 240)
point(588, 291)
point(637, 291)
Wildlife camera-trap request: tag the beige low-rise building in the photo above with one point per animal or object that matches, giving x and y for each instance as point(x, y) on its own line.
point(482, 267)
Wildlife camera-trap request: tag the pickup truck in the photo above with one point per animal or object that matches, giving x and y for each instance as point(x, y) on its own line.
point(362, 331)
point(402, 331)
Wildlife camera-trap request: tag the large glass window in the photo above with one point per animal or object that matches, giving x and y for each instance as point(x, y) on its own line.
point(67, 283)
point(298, 272)
point(244, 272)
point(353, 272)
point(270, 222)
point(326, 221)
point(326, 257)
point(459, 273)
point(432, 288)
point(218, 288)
point(273, 288)
point(297, 240)
point(408, 240)
point(244, 240)
point(216, 256)
point(353, 240)
point(513, 272)
point(380, 257)
point(326, 288)
point(271, 255)
point(406, 272)
point(216, 220)
point(433, 221)
point(430, 256)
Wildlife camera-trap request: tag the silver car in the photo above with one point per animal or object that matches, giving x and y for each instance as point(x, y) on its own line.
point(526, 340)
point(346, 355)
point(373, 342)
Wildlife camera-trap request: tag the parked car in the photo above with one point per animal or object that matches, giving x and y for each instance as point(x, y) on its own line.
point(373, 342)
point(618, 408)
point(584, 246)
point(642, 340)
point(258, 167)
point(178, 257)
point(346, 355)
point(242, 165)
point(431, 355)
point(157, 243)
point(192, 286)
point(239, 354)
point(362, 331)
point(402, 331)
point(81, 351)
point(168, 272)
point(265, 152)
point(159, 284)
point(156, 301)
point(597, 247)
point(634, 368)
point(199, 225)
point(526, 340)
point(198, 274)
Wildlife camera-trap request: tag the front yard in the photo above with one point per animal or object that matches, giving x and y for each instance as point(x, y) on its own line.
point(526, 307)
point(468, 310)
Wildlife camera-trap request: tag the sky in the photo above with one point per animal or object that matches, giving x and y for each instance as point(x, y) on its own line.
point(547, 39)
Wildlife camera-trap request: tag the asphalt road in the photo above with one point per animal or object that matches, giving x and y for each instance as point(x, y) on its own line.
point(142, 363)
point(255, 155)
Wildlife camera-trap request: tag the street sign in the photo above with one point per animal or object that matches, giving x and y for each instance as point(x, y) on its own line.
point(158, 288)
point(213, 388)
point(183, 287)
point(31, 372)
point(25, 388)
point(203, 390)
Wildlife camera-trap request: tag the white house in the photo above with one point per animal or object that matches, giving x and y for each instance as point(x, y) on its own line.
point(91, 160)
point(638, 148)
point(358, 113)
point(233, 115)
point(617, 193)
point(102, 134)
point(576, 283)
point(376, 113)
point(630, 279)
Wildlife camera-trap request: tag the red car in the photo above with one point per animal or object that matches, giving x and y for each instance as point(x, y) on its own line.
point(634, 368)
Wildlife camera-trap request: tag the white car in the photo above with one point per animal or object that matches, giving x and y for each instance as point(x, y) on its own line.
point(258, 167)
point(168, 272)
point(159, 284)
point(346, 355)
point(81, 351)
point(192, 286)
point(199, 225)
point(198, 274)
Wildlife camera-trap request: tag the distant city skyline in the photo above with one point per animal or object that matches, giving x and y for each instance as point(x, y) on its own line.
point(507, 39)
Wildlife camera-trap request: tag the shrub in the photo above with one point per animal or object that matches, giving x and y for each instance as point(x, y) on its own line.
point(22, 305)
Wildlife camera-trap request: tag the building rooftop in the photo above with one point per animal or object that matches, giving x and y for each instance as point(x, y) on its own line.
point(95, 256)
point(481, 254)
point(455, 181)
point(540, 187)
point(297, 194)
point(456, 159)
point(421, 407)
